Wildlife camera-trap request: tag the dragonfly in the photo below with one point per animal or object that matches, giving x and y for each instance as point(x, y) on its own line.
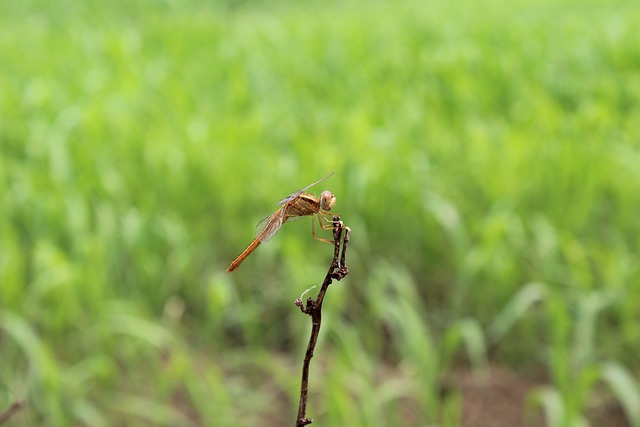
point(296, 204)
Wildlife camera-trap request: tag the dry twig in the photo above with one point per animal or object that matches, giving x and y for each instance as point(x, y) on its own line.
point(11, 411)
point(338, 270)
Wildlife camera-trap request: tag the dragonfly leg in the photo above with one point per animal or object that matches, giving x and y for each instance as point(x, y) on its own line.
point(328, 223)
point(313, 229)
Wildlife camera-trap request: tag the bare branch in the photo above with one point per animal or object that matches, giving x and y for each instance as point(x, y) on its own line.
point(11, 411)
point(338, 270)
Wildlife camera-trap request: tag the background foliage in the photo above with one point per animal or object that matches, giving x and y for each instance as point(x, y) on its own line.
point(488, 162)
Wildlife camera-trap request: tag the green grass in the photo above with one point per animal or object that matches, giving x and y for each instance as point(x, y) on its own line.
point(487, 163)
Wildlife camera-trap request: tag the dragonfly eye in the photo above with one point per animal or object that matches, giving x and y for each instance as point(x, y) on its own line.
point(327, 200)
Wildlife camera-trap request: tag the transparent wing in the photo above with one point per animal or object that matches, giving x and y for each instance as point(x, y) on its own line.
point(295, 194)
point(270, 225)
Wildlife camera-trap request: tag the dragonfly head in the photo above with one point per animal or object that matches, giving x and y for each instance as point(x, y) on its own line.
point(327, 200)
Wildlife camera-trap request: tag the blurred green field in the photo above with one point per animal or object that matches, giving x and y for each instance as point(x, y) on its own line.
point(487, 159)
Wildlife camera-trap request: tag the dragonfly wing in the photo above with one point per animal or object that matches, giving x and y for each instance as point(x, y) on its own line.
point(269, 226)
point(290, 197)
point(295, 194)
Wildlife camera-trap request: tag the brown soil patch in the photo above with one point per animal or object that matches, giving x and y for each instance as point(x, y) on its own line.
point(498, 398)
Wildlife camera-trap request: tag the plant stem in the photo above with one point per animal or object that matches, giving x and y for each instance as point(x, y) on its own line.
point(338, 270)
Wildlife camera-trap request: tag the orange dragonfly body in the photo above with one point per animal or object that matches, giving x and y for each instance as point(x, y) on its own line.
point(296, 204)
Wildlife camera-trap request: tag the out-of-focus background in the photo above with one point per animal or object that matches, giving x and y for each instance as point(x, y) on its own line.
point(487, 159)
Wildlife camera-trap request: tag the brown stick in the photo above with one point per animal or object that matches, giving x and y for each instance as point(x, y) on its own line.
point(338, 270)
point(10, 412)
